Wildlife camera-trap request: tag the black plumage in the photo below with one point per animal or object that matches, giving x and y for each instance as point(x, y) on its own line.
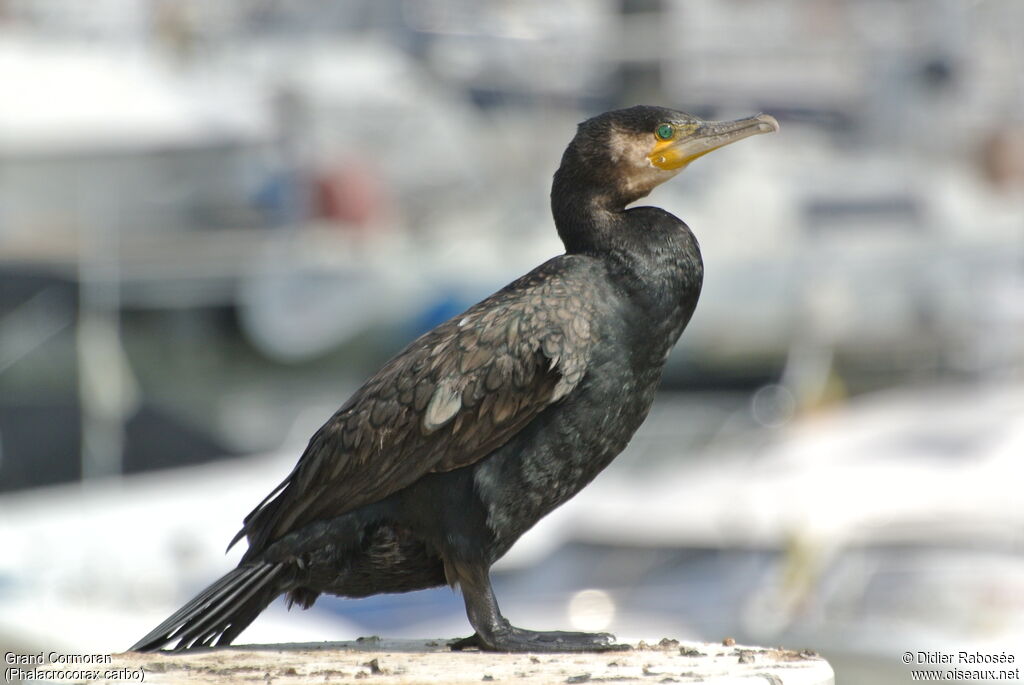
point(480, 427)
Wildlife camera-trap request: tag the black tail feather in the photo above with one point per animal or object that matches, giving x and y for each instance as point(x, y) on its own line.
point(223, 610)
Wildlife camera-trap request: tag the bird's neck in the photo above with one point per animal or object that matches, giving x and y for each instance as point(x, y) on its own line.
point(589, 217)
point(586, 223)
point(649, 252)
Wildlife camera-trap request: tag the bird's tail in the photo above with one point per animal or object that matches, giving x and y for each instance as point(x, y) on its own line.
point(220, 612)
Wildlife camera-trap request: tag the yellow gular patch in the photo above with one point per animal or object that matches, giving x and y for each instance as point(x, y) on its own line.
point(667, 154)
point(666, 157)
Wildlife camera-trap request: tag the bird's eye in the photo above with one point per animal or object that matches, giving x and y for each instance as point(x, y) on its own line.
point(665, 131)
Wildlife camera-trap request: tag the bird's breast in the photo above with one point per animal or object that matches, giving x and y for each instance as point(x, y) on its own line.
point(566, 447)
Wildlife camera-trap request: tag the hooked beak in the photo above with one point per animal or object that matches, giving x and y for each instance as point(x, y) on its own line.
point(696, 138)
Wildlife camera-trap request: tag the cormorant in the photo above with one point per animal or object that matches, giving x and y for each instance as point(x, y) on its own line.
point(482, 426)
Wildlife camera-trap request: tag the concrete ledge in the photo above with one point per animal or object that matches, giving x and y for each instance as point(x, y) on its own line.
point(411, 662)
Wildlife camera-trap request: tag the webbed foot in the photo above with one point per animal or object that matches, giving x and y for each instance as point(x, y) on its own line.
point(512, 639)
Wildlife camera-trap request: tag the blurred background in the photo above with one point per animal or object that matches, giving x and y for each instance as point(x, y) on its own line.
point(216, 219)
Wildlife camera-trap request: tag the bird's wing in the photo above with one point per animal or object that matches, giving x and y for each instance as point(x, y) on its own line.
point(450, 398)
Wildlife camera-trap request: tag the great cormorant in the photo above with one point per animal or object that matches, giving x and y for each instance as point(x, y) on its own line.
point(482, 426)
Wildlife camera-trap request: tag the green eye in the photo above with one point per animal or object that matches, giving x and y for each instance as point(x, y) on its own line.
point(665, 131)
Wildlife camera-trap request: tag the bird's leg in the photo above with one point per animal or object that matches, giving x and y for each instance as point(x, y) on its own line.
point(494, 633)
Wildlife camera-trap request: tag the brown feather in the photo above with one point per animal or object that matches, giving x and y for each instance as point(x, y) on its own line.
point(502, 363)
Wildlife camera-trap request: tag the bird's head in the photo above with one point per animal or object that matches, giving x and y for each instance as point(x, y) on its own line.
point(624, 154)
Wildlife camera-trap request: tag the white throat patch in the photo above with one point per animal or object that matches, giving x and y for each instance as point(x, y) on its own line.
point(629, 153)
